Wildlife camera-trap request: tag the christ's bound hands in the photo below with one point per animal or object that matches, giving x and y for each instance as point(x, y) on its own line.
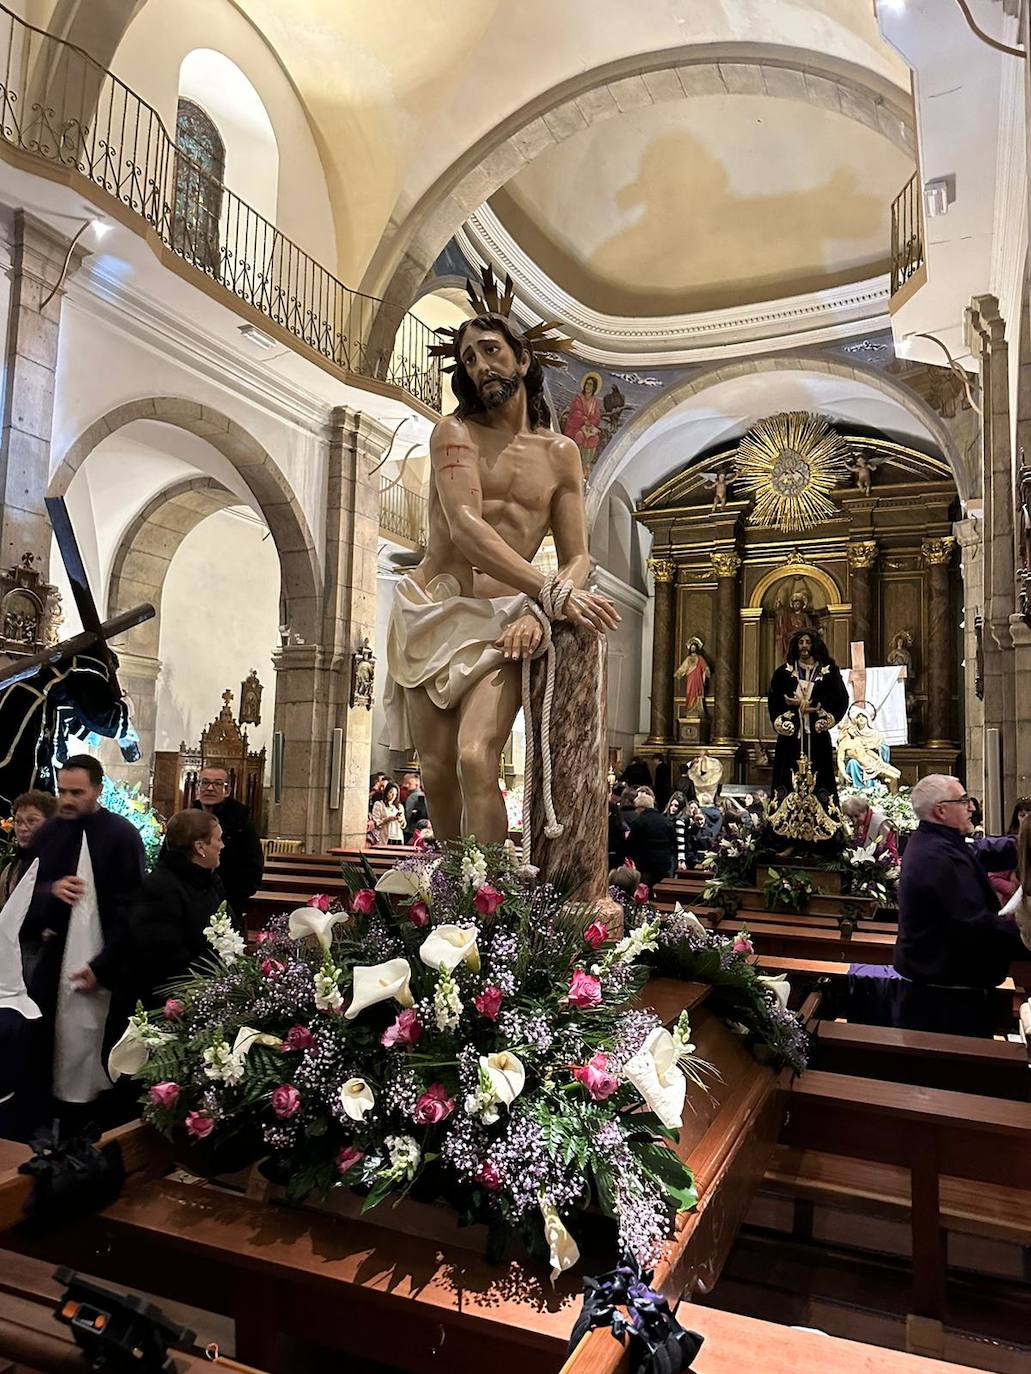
point(521, 638)
point(591, 610)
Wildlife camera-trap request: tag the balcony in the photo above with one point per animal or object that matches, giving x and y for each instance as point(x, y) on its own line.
point(65, 117)
point(908, 253)
point(403, 515)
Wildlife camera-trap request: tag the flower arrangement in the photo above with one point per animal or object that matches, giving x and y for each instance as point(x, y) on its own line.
point(871, 870)
point(456, 1034)
point(896, 807)
point(731, 863)
point(127, 801)
point(750, 1003)
point(789, 891)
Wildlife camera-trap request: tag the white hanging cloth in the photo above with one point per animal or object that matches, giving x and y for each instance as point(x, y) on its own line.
point(79, 1074)
point(13, 996)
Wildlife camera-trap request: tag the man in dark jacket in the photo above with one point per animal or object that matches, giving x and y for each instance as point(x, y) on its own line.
point(651, 842)
point(953, 946)
point(242, 861)
point(176, 902)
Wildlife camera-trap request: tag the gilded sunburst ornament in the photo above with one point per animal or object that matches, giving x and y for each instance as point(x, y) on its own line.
point(791, 462)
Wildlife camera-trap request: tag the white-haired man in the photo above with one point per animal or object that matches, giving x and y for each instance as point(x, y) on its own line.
point(953, 945)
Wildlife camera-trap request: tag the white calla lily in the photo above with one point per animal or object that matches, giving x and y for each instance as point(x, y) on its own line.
point(778, 982)
point(409, 883)
point(378, 983)
point(129, 1055)
point(564, 1251)
point(506, 1073)
point(688, 920)
point(309, 920)
point(357, 1099)
point(447, 946)
point(655, 1074)
point(247, 1037)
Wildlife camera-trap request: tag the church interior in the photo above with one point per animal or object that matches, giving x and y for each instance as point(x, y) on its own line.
point(787, 244)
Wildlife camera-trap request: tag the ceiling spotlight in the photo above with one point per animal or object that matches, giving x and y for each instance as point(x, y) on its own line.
point(100, 227)
point(257, 339)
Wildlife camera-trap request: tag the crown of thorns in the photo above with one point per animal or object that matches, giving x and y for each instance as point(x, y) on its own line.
point(489, 299)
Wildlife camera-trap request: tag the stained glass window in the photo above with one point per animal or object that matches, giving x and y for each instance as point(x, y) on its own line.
point(198, 187)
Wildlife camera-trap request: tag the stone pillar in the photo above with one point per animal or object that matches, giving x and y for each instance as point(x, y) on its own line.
point(726, 565)
point(937, 553)
point(661, 732)
point(313, 681)
point(968, 536)
point(30, 363)
point(861, 559)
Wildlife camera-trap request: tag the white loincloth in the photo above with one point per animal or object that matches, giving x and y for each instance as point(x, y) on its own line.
point(441, 641)
point(79, 1074)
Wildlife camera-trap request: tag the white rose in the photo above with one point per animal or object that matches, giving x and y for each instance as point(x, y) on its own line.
point(654, 1073)
point(309, 920)
point(506, 1073)
point(447, 946)
point(564, 1251)
point(357, 1099)
point(378, 983)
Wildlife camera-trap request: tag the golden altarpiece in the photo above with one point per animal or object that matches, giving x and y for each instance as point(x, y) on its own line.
point(223, 744)
point(871, 560)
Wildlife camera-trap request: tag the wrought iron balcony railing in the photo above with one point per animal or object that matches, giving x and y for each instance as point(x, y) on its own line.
point(71, 115)
point(907, 234)
point(403, 513)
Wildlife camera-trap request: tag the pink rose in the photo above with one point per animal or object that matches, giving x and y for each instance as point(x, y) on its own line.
point(742, 944)
point(164, 1094)
point(488, 1003)
point(405, 1030)
point(419, 915)
point(320, 901)
point(363, 901)
point(286, 1100)
point(262, 936)
point(173, 1009)
point(433, 1106)
point(199, 1125)
point(595, 1077)
point(270, 967)
point(348, 1158)
point(584, 991)
point(488, 1177)
point(297, 1038)
point(641, 893)
point(487, 899)
point(596, 934)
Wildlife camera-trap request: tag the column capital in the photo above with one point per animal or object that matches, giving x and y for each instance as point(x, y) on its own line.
point(726, 563)
point(938, 552)
point(663, 569)
point(862, 554)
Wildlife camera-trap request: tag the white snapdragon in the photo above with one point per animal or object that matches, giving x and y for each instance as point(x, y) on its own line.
point(483, 1104)
point(328, 996)
point(447, 1005)
point(224, 939)
point(404, 1155)
point(682, 1038)
point(632, 946)
point(474, 869)
point(221, 1065)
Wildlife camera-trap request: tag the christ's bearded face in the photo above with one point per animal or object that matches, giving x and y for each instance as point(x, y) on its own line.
point(805, 646)
point(492, 366)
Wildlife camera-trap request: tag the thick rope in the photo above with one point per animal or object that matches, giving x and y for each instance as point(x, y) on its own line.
point(553, 598)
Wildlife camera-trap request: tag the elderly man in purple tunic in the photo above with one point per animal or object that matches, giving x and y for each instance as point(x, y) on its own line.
point(953, 946)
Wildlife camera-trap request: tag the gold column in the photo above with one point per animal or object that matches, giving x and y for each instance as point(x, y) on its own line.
point(937, 554)
point(861, 558)
point(661, 732)
point(726, 566)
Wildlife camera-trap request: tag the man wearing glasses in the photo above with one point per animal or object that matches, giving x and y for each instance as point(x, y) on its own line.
point(241, 863)
point(953, 945)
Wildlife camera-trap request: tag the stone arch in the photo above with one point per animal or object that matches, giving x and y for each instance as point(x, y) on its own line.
point(301, 571)
point(611, 463)
point(404, 258)
point(148, 545)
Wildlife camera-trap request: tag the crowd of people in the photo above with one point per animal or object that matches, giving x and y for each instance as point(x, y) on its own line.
point(97, 933)
point(397, 812)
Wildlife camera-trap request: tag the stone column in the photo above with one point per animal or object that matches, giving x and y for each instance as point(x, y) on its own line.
point(861, 559)
point(661, 732)
point(937, 554)
point(726, 565)
point(313, 681)
point(30, 363)
point(968, 535)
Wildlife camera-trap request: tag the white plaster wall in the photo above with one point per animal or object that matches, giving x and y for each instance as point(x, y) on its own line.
point(385, 584)
point(219, 619)
point(138, 366)
point(149, 59)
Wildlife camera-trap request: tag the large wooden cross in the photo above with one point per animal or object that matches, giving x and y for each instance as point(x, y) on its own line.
point(95, 632)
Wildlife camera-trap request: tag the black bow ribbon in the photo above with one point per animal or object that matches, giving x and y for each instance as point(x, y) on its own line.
point(73, 1177)
point(658, 1343)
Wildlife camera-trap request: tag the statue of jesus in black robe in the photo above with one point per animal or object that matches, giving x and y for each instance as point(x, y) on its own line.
point(807, 698)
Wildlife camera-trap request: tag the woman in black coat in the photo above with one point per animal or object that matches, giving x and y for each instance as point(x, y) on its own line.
point(806, 698)
point(652, 840)
point(177, 900)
